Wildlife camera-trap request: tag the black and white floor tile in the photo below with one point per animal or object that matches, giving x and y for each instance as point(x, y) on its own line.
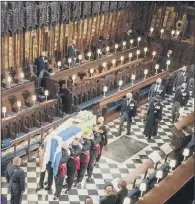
point(107, 169)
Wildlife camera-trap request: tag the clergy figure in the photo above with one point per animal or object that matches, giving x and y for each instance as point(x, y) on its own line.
point(154, 116)
point(72, 52)
point(156, 89)
point(165, 59)
point(128, 112)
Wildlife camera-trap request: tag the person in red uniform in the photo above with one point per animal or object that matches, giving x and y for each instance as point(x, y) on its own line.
point(94, 151)
point(59, 178)
point(73, 164)
point(84, 157)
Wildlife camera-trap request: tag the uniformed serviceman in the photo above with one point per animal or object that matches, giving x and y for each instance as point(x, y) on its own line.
point(16, 178)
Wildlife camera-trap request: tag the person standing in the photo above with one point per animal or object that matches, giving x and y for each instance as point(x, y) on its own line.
point(122, 194)
point(181, 77)
point(59, 178)
point(128, 112)
point(104, 136)
point(16, 178)
point(154, 116)
point(84, 157)
point(73, 164)
point(180, 100)
point(72, 52)
point(88, 200)
point(110, 197)
point(41, 64)
point(165, 59)
point(94, 151)
point(156, 89)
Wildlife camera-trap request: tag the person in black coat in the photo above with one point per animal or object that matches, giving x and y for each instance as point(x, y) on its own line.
point(154, 116)
point(84, 157)
point(110, 197)
point(128, 112)
point(180, 100)
point(72, 52)
point(191, 80)
point(16, 178)
point(59, 178)
point(181, 77)
point(97, 44)
point(94, 151)
point(156, 89)
point(122, 194)
point(104, 136)
point(73, 164)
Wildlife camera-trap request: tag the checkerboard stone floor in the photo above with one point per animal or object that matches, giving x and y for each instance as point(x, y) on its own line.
point(107, 170)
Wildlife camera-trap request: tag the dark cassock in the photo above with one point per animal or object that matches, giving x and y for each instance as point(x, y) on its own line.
point(59, 178)
point(16, 178)
point(94, 152)
point(72, 52)
point(191, 79)
point(180, 100)
point(128, 111)
point(84, 159)
point(154, 116)
point(41, 64)
point(103, 131)
point(181, 77)
point(73, 164)
point(156, 89)
point(97, 44)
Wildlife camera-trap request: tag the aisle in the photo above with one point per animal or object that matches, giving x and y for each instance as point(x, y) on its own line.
point(107, 169)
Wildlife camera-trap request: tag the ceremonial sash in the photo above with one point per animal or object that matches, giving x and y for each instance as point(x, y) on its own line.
point(62, 170)
point(77, 160)
point(87, 158)
point(98, 148)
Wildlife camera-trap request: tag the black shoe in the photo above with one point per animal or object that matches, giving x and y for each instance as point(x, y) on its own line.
point(48, 188)
point(76, 184)
point(55, 198)
point(66, 191)
point(118, 135)
point(39, 188)
point(128, 133)
point(89, 179)
point(45, 183)
point(65, 185)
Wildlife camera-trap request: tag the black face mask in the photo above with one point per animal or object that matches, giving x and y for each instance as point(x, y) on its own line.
point(182, 88)
point(157, 83)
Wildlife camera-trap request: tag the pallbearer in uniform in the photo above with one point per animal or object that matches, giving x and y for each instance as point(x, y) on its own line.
point(104, 136)
point(128, 111)
point(59, 178)
point(180, 100)
point(154, 116)
point(94, 151)
point(156, 89)
point(16, 178)
point(84, 157)
point(73, 164)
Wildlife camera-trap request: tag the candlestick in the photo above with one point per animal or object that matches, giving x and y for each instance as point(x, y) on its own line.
point(132, 78)
point(145, 50)
point(156, 67)
point(105, 89)
point(159, 175)
point(59, 64)
point(89, 55)
point(130, 56)
point(172, 164)
point(22, 76)
point(145, 73)
point(80, 58)
point(122, 59)
point(120, 83)
point(34, 98)
point(19, 105)
point(138, 40)
point(151, 30)
point(107, 50)
point(177, 33)
point(186, 153)
point(116, 47)
point(161, 32)
point(142, 188)
point(9, 79)
point(131, 42)
point(124, 45)
point(4, 109)
point(172, 33)
point(138, 52)
point(69, 61)
point(46, 94)
point(153, 54)
point(91, 71)
point(113, 62)
point(168, 63)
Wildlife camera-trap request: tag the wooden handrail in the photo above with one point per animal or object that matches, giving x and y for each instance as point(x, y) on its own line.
point(170, 185)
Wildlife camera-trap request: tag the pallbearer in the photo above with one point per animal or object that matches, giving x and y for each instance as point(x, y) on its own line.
point(59, 178)
point(94, 151)
point(104, 136)
point(73, 164)
point(154, 116)
point(84, 157)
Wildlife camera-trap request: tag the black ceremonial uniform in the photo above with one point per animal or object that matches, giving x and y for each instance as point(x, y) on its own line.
point(16, 178)
point(93, 153)
point(154, 116)
point(59, 178)
point(84, 159)
point(72, 164)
